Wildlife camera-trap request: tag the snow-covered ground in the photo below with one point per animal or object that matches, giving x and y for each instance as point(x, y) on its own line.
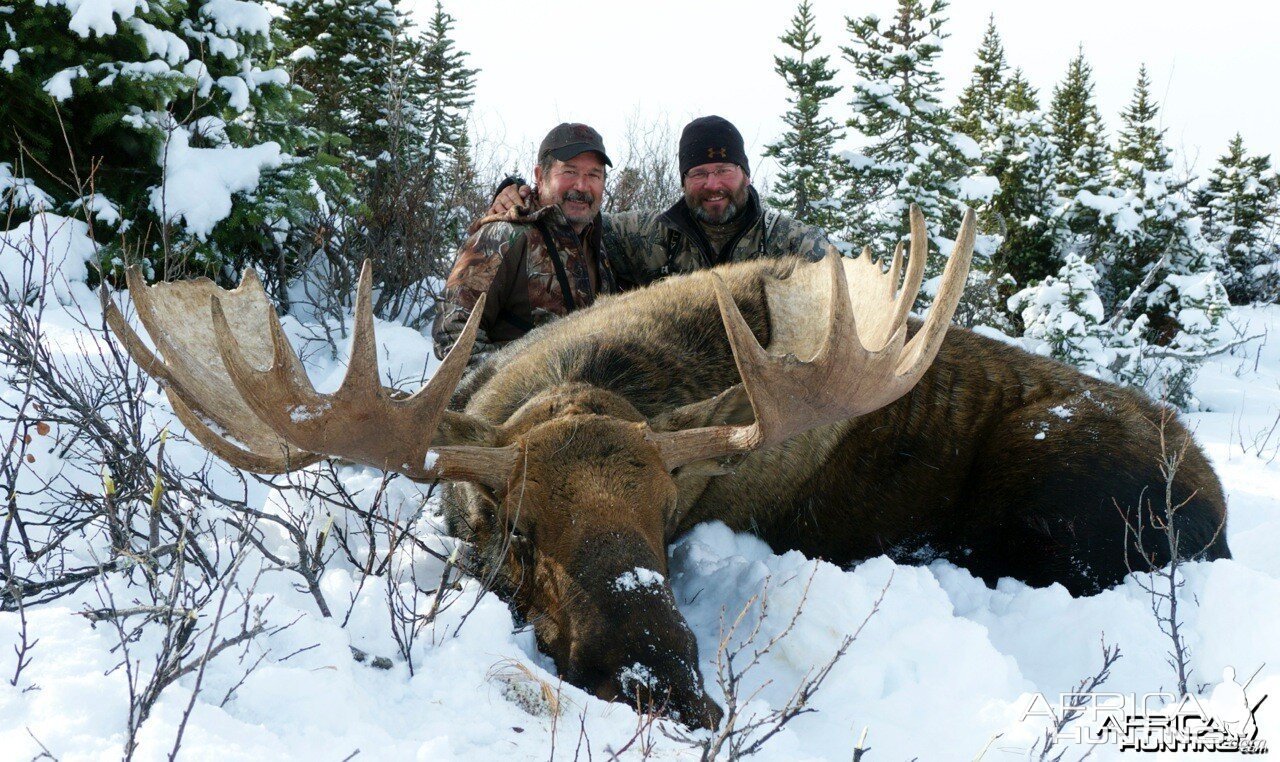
point(946, 669)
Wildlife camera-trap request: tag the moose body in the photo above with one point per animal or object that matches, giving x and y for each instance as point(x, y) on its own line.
point(1003, 462)
point(793, 400)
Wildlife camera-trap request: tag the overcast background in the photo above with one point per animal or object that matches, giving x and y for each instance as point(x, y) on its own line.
point(1214, 65)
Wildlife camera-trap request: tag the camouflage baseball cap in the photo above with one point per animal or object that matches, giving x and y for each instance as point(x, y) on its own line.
point(569, 139)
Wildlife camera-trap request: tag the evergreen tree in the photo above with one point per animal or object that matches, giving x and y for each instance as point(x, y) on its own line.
point(1083, 159)
point(1149, 219)
point(1023, 159)
point(1161, 275)
point(1062, 316)
point(1140, 146)
point(1078, 132)
point(983, 98)
point(807, 182)
point(148, 101)
point(344, 52)
point(914, 156)
point(416, 217)
point(1237, 205)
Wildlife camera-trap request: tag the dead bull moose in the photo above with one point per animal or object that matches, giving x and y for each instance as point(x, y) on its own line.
point(586, 447)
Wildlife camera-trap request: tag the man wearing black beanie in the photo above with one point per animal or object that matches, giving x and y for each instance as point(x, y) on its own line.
point(719, 219)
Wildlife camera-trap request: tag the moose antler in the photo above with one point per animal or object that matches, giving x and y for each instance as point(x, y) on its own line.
point(241, 363)
point(859, 361)
point(192, 373)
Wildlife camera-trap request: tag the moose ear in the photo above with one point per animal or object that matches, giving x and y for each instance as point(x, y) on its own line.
point(732, 407)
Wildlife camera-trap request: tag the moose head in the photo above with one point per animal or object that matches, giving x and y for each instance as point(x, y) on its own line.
point(568, 502)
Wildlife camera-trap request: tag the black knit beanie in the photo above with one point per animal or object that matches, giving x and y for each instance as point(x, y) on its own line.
point(710, 139)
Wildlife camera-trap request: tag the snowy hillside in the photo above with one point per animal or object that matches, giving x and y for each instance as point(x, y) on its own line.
point(946, 668)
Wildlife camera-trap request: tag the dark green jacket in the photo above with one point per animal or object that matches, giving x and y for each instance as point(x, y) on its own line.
point(648, 245)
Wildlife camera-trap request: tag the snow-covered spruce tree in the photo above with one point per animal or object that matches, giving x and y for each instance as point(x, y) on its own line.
point(417, 214)
point(393, 101)
point(1062, 317)
point(1161, 276)
point(1239, 204)
point(978, 112)
point(808, 179)
point(343, 52)
point(166, 119)
point(1023, 158)
point(912, 153)
point(1083, 158)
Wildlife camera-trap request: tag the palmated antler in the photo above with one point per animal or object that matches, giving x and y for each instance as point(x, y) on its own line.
point(859, 358)
point(192, 373)
point(258, 375)
point(362, 421)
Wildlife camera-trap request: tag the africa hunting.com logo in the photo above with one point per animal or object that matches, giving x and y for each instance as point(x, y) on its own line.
point(1161, 722)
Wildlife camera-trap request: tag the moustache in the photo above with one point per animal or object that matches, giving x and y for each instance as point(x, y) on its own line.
point(582, 197)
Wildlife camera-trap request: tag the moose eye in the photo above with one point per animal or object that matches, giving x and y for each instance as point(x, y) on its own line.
point(520, 533)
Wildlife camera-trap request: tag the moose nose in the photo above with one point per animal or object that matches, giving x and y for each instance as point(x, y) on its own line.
point(687, 703)
point(630, 643)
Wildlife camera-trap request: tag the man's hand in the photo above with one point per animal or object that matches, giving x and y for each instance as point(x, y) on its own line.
point(508, 197)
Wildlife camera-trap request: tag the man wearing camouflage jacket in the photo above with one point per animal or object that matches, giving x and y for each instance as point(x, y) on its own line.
point(535, 264)
point(719, 219)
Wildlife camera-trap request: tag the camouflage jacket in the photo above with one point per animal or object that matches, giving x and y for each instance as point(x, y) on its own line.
point(645, 246)
point(507, 257)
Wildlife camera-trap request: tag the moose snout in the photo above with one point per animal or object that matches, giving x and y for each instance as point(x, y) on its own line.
point(631, 644)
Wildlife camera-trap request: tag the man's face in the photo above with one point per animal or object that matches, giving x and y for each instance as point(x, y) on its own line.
point(716, 192)
point(576, 186)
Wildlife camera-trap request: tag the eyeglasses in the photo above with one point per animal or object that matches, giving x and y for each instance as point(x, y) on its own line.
point(701, 175)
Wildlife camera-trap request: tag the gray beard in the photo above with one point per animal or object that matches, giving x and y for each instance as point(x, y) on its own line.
point(730, 211)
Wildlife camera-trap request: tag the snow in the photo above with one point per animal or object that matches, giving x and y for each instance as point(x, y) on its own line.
point(102, 208)
point(9, 60)
point(237, 92)
point(161, 42)
point(59, 246)
point(233, 17)
point(90, 17)
point(638, 578)
point(977, 188)
point(21, 192)
point(199, 182)
point(945, 666)
point(59, 85)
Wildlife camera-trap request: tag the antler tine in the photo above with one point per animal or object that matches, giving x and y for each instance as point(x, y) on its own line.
point(924, 345)
point(895, 268)
point(750, 358)
point(253, 383)
point(362, 379)
point(915, 267)
point(842, 346)
point(133, 344)
point(431, 400)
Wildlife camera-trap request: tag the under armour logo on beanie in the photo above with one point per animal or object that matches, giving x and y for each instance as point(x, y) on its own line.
point(711, 139)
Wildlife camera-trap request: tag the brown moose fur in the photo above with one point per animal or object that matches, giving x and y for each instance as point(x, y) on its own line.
point(1005, 463)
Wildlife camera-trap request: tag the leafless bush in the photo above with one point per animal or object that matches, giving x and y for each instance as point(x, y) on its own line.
point(742, 734)
point(1164, 585)
point(413, 611)
point(177, 602)
point(1076, 701)
point(110, 509)
point(647, 176)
